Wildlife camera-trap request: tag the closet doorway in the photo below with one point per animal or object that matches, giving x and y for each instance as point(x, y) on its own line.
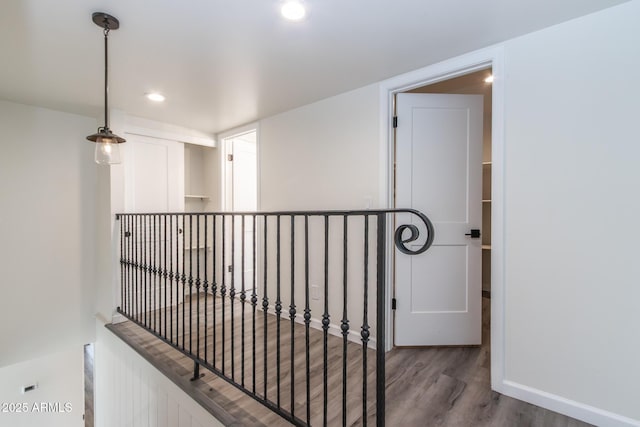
point(240, 194)
point(447, 291)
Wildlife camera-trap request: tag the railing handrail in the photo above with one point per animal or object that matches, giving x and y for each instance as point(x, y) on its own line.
point(399, 241)
point(287, 212)
point(146, 272)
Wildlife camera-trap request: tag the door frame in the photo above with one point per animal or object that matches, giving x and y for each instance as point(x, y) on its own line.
point(222, 137)
point(492, 57)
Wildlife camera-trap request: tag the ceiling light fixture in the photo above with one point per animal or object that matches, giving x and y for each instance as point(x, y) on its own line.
point(155, 97)
point(293, 10)
point(107, 150)
point(489, 79)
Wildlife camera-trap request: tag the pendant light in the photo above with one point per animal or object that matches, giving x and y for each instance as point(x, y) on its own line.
point(107, 150)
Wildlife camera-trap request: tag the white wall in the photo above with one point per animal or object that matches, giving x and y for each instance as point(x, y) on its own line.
point(572, 175)
point(571, 155)
point(47, 257)
point(323, 155)
point(60, 389)
point(133, 393)
point(47, 188)
point(317, 157)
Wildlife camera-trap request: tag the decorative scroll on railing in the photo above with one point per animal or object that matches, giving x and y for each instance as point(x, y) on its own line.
point(275, 303)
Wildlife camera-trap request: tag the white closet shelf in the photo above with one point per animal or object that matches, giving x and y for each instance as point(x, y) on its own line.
point(486, 163)
point(196, 196)
point(486, 247)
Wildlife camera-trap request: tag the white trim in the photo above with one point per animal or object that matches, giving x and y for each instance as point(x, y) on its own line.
point(240, 130)
point(571, 408)
point(231, 133)
point(498, 252)
point(153, 129)
point(224, 174)
point(481, 59)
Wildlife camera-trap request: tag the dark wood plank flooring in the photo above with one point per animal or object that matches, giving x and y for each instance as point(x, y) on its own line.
point(424, 386)
point(88, 385)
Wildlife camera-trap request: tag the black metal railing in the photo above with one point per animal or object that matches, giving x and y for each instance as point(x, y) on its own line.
point(238, 293)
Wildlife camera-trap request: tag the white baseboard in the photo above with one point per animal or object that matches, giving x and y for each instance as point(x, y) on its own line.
point(571, 408)
point(353, 336)
point(334, 329)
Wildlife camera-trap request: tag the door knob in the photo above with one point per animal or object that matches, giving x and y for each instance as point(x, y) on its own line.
point(475, 233)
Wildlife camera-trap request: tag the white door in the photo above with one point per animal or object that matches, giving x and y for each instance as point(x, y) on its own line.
point(439, 172)
point(154, 175)
point(154, 183)
point(242, 196)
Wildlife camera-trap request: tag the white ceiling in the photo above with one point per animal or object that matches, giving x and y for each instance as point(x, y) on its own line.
point(223, 63)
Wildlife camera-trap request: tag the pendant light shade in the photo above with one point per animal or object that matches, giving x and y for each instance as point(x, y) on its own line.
point(107, 150)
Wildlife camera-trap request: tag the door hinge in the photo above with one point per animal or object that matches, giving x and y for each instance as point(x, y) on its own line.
point(230, 157)
point(395, 122)
point(393, 303)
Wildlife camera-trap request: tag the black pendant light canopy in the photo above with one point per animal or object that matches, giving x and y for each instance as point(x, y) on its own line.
point(107, 151)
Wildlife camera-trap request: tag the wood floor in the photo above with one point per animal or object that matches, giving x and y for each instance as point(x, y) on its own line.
point(88, 385)
point(424, 386)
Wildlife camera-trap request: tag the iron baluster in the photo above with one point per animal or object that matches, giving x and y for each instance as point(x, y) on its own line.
point(307, 318)
point(190, 249)
point(184, 285)
point(344, 325)
point(154, 275)
point(380, 320)
point(254, 303)
point(214, 287)
point(265, 307)
point(198, 283)
point(325, 321)
point(292, 315)
point(223, 287)
point(364, 334)
point(206, 286)
point(147, 278)
point(232, 294)
point(122, 269)
point(152, 266)
point(165, 274)
point(243, 297)
point(278, 311)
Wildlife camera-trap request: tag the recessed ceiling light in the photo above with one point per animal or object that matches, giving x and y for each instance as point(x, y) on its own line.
point(293, 10)
point(489, 79)
point(155, 97)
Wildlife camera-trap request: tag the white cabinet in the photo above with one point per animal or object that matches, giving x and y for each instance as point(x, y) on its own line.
point(154, 174)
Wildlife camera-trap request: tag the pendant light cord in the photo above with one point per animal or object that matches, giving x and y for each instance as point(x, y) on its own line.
point(104, 134)
point(106, 79)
